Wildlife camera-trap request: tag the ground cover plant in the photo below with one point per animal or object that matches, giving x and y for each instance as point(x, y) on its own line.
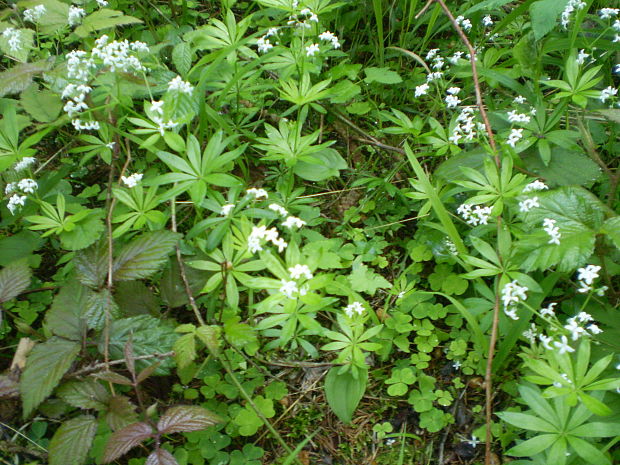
point(309, 232)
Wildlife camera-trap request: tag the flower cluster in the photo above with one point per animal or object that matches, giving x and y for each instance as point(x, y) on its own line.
point(582, 57)
point(607, 93)
point(527, 204)
point(132, 180)
point(329, 37)
point(487, 21)
point(465, 127)
point(227, 208)
point(24, 163)
point(515, 117)
point(586, 277)
point(552, 230)
point(464, 23)
point(474, 216)
point(178, 84)
point(257, 193)
point(13, 37)
point(18, 189)
point(260, 233)
point(515, 136)
point(511, 295)
point(607, 13)
point(571, 7)
point(303, 18)
point(34, 14)
point(535, 186)
point(75, 15)
point(352, 309)
point(291, 289)
point(451, 99)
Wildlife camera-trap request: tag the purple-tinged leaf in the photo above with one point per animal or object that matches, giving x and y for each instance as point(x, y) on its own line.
point(161, 457)
point(123, 440)
point(186, 418)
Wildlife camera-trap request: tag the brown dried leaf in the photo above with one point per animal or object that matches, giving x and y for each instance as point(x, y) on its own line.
point(161, 457)
point(123, 440)
point(8, 386)
point(121, 412)
point(148, 371)
point(186, 418)
point(129, 359)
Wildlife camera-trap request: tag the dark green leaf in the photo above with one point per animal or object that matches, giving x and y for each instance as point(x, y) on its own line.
point(87, 394)
point(14, 279)
point(72, 440)
point(344, 392)
point(144, 256)
point(103, 19)
point(66, 317)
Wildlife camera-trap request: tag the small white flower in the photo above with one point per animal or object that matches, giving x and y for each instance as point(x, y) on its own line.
point(548, 310)
point(535, 186)
point(430, 77)
point(519, 99)
point(512, 293)
point(527, 204)
point(34, 14)
point(226, 209)
point(487, 21)
point(16, 201)
point(289, 289)
point(24, 163)
point(75, 15)
point(329, 37)
point(312, 49)
point(515, 117)
point(453, 90)
point(27, 185)
point(473, 442)
point(180, 85)
point(157, 107)
point(278, 209)
point(102, 3)
point(563, 346)
point(264, 45)
point(607, 93)
point(438, 63)
point(13, 37)
point(574, 328)
point(531, 333)
point(452, 101)
point(298, 271)
point(552, 230)
point(293, 221)
point(86, 125)
point(546, 340)
point(132, 180)
point(588, 274)
point(432, 53)
point(606, 13)
point(514, 137)
point(421, 90)
point(454, 59)
point(10, 188)
point(456, 365)
point(582, 56)
point(594, 329)
point(257, 193)
point(355, 307)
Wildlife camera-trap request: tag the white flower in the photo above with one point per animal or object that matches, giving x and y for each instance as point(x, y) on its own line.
point(588, 274)
point(226, 209)
point(180, 85)
point(10, 188)
point(16, 201)
point(298, 271)
point(545, 341)
point(563, 346)
point(515, 117)
point(548, 310)
point(421, 90)
point(434, 76)
point(552, 230)
point(87, 125)
point(132, 180)
point(75, 15)
point(454, 59)
point(512, 293)
point(28, 185)
point(519, 99)
point(293, 221)
point(606, 13)
point(479, 215)
point(13, 37)
point(24, 163)
point(329, 37)
point(289, 289)
point(278, 209)
point(432, 53)
point(594, 329)
point(535, 186)
point(464, 23)
point(569, 9)
point(487, 21)
point(452, 101)
point(616, 25)
point(527, 204)
point(453, 90)
point(531, 333)
point(574, 328)
point(273, 31)
point(34, 14)
point(607, 93)
point(582, 56)
point(102, 3)
point(456, 365)
point(157, 107)
point(257, 193)
point(263, 45)
point(473, 442)
point(514, 137)
point(312, 49)
point(355, 307)
point(438, 63)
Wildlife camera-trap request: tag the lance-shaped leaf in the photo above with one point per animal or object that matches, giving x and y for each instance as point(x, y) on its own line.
point(161, 457)
point(66, 316)
point(144, 256)
point(46, 365)
point(14, 279)
point(72, 440)
point(184, 418)
point(123, 440)
point(344, 392)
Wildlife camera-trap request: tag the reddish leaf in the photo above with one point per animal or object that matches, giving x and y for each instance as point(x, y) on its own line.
point(129, 360)
point(125, 439)
point(186, 418)
point(161, 457)
point(148, 371)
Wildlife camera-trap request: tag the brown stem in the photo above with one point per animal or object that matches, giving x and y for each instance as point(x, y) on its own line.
point(99, 366)
point(488, 381)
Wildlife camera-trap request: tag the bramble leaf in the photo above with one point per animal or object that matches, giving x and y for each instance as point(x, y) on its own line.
point(87, 394)
point(161, 457)
point(185, 418)
point(123, 440)
point(72, 440)
point(143, 256)
point(14, 279)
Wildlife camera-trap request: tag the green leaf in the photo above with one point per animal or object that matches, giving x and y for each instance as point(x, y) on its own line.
point(565, 167)
point(182, 57)
point(121, 412)
point(92, 265)
point(72, 440)
point(382, 75)
point(99, 306)
point(46, 364)
point(14, 279)
point(544, 15)
point(533, 446)
point(527, 421)
point(239, 334)
point(185, 350)
point(611, 227)
point(594, 405)
point(344, 392)
point(66, 316)
point(587, 451)
point(85, 232)
point(26, 41)
point(144, 256)
point(327, 164)
point(103, 19)
point(55, 17)
point(87, 394)
point(596, 429)
point(43, 105)
point(363, 279)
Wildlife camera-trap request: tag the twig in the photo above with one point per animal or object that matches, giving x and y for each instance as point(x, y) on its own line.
point(188, 290)
point(368, 138)
point(98, 366)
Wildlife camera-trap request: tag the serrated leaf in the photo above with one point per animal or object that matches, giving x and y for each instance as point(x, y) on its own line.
point(239, 334)
point(125, 439)
point(72, 440)
point(43, 105)
point(98, 305)
point(47, 363)
point(182, 57)
point(185, 418)
point(103, 19)
point(65, 318)
point(161, 457)
point(565, 167)
point(92, 265)
point(85, 232)
point(210, 337)
point(611, 227)
point(14, 279)
point(144, 255)
point(87, 394)
point(544, 15)
point(121, 412)
point(185, 350)
point(55, 17)
point(136, 298)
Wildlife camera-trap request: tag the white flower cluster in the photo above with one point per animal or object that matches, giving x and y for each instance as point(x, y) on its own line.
point(576, 326)
point(451, 99)
point(260, 233)
point(226, 209)
point(312, 49)
point(479, 215)
point(352, 309)
point(582, 56)
point(132, 180)
point(437, 75)
point(75, 15)
point(17, 189)
point(24, 163)
point(535, 186)
point(13, 37)
point(552, 230)
point(450, 246)
point(487, 21)
point(571, 7)
point(465, 127)
point(303, 18)
point(464, 23)
point(157, 111)
point(293, 221)
point(586, 277)
point(291, 289)
point(549, 310)
point(515, 136)
point(608, 93)
point(178, 84)
point(279, 209)
point(519, 99)
point(437, 60)
point(527, 204)
point(329, 37)
point(454, 59)
point(15, 202)
point(420, 90)
point(606, 13)
point(515, 117)
point(263, 44)
point(512, 294)
point(34, 14)
point(102, 3)
point(257, 193)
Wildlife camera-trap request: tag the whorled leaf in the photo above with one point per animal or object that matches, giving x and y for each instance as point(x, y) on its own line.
point(66, 318)
point(14, 279)
point(161, 457)
point(72, 440)
point(98, 304)
point(185, 418)
point(125, 439)
point(87, 394)
point(46, 365)
point(121, 412)
point(144, 256)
